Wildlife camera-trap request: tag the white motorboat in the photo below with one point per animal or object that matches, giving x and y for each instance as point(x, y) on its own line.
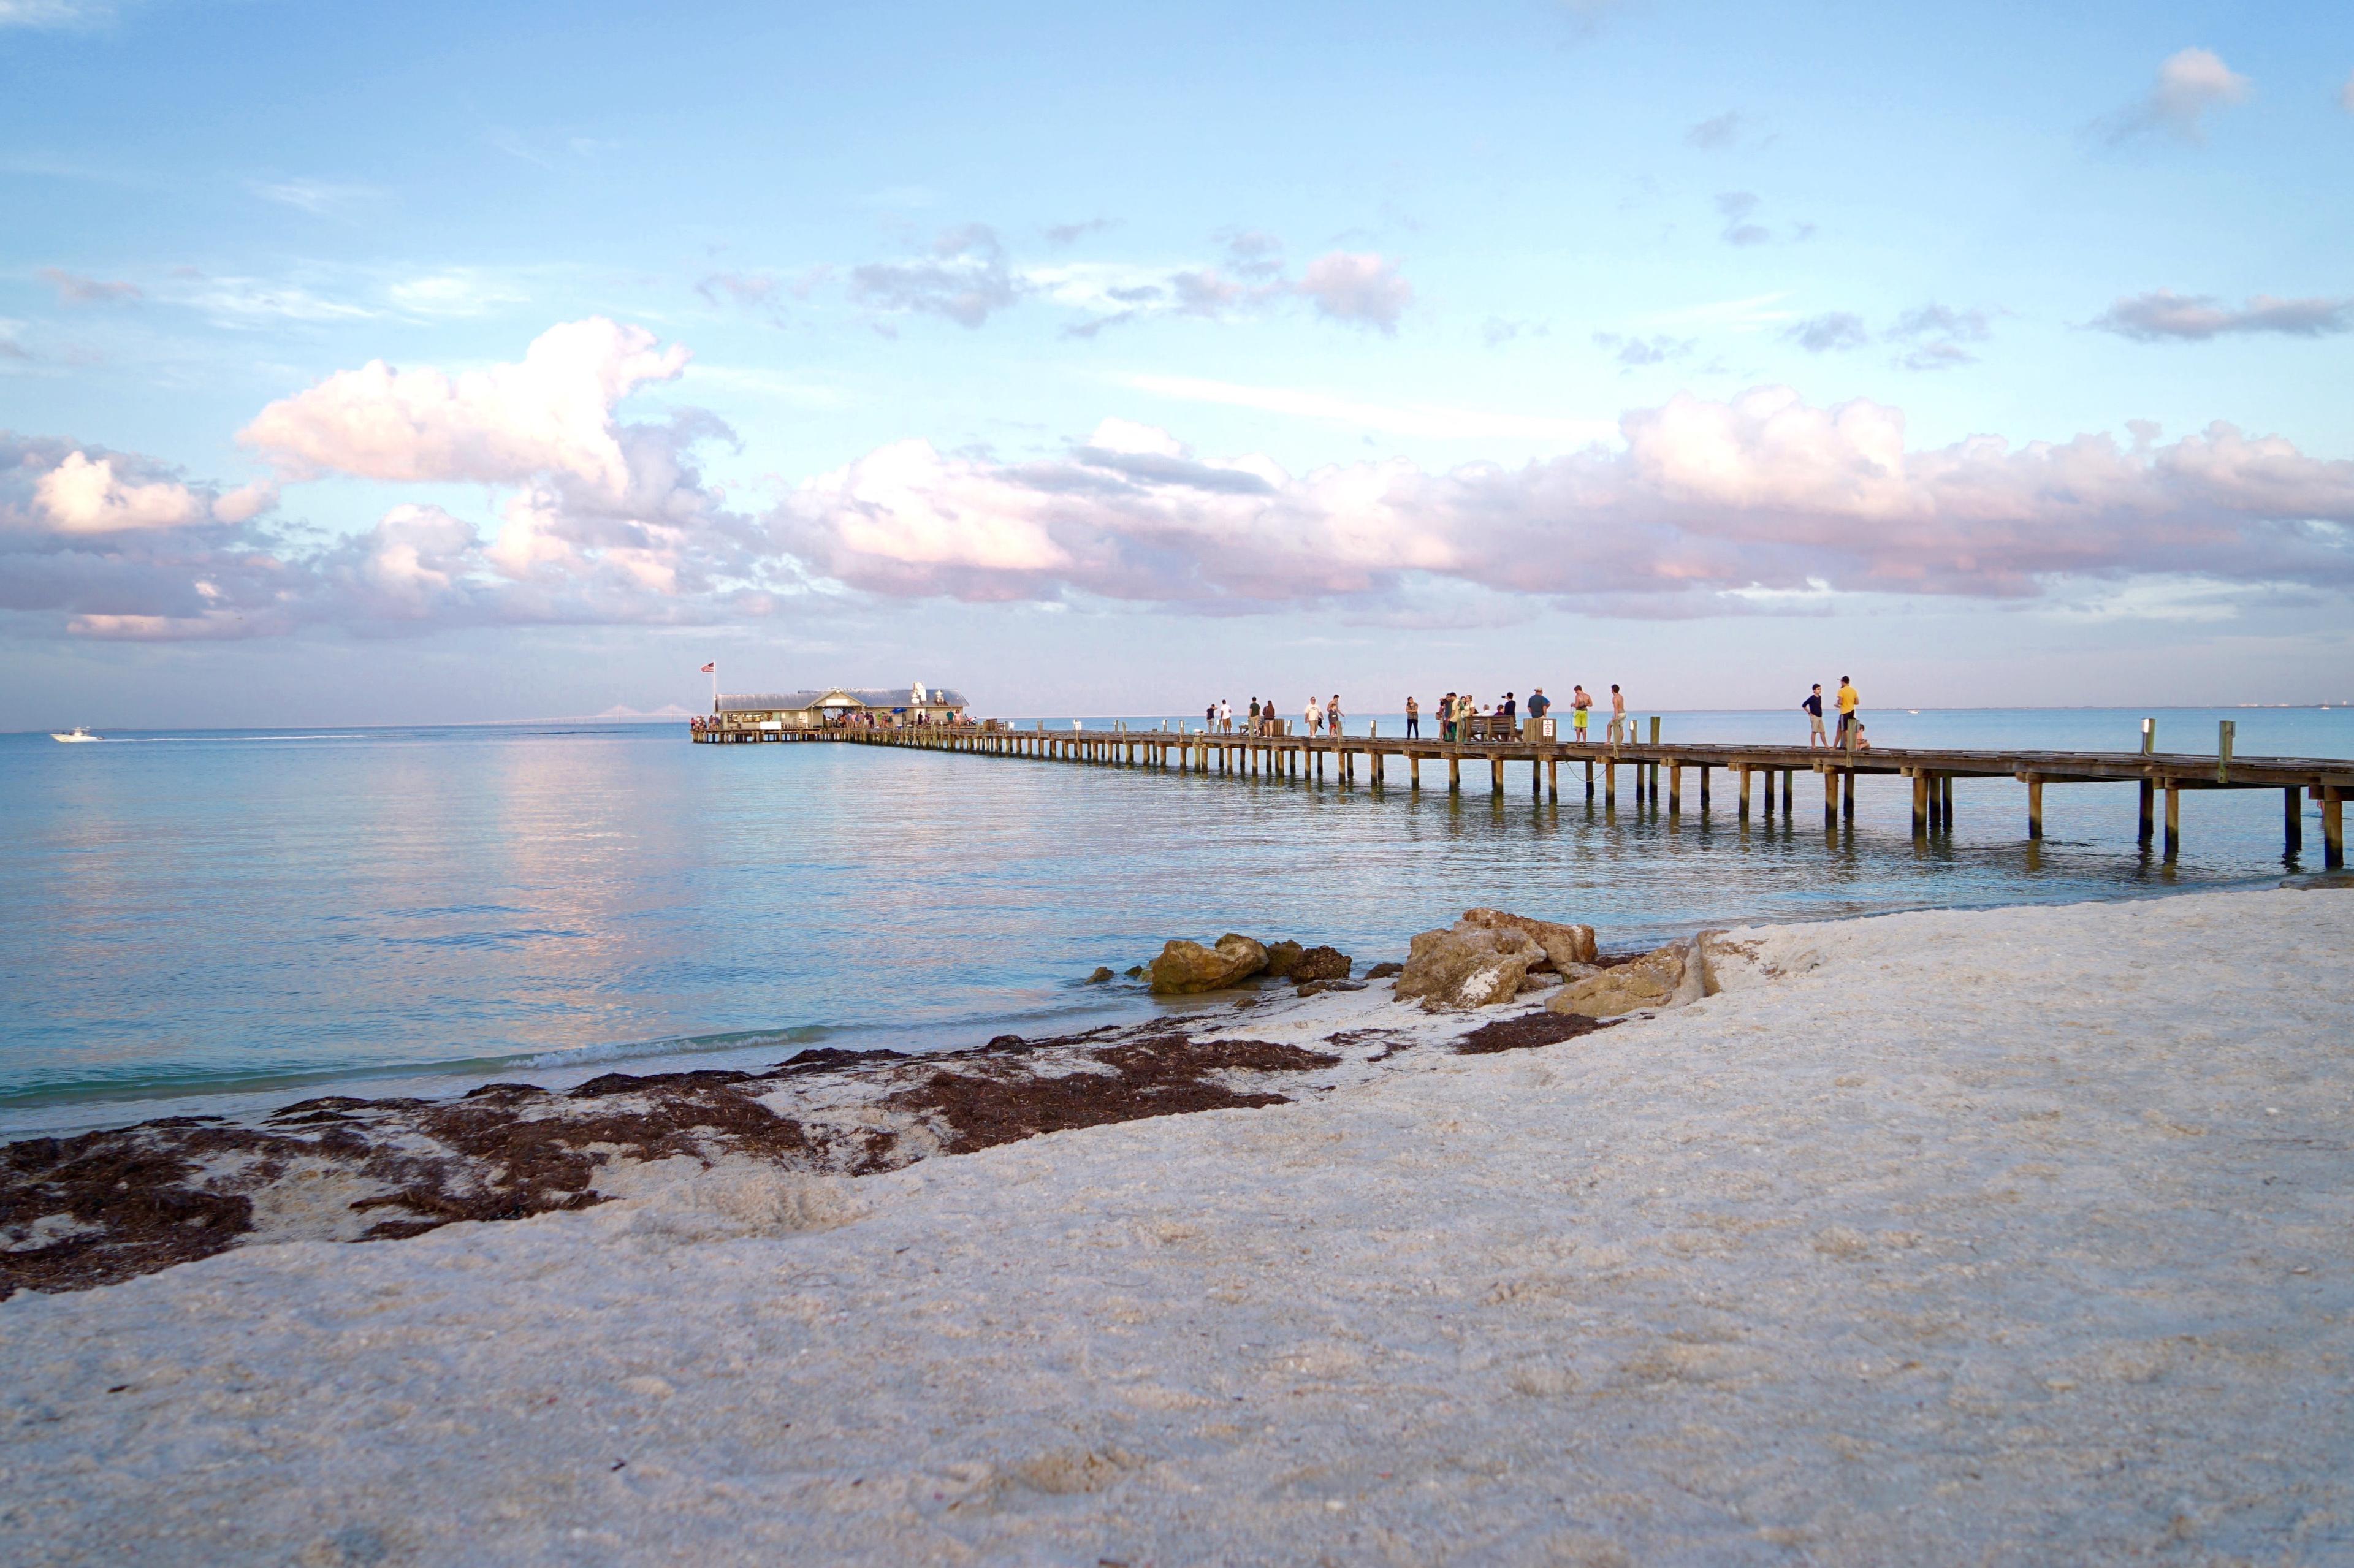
point(76, 734)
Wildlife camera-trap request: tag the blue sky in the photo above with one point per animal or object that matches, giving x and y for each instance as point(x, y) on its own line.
point(1110, 359)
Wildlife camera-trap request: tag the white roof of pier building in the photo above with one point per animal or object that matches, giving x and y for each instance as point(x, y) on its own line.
point(884, 698)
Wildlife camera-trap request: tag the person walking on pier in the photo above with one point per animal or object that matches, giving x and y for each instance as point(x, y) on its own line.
point(1617, 714)
point(1413, 719)
point(1814, 707)
point(1312, 717)
point(1580, 704)
point(1848, 698)
point(1332, 715)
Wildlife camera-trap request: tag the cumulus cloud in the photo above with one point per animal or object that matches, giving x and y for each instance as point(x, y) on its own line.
point(1252, 253)
point(1717, 130)
point(2192, 85)
point(1933, 337)
point(110, 544)
point(1928, 337)
point(1250, 276)
point(1735, 208)
point(1691, 506)
point(83, 494)
point(746, 289)
point(73, 289)
point(2165, 316)
point(1828, 331)
point(1363, 289)
point(1071, 233)
point(1635, 353)
point(1705, 500)
point(550, 414)
point(965, 278)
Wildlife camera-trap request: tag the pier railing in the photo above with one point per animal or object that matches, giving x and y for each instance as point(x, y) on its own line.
point(1351, 758)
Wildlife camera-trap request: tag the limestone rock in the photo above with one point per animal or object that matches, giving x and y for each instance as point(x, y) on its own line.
point(1184, 968)
point(1282, 957)
point(1103, 973)
point(1674, 976)
point(1466, 967)
point(1564, 945)
point(1385, 970)
point(1321, 964)
point(1611, 993)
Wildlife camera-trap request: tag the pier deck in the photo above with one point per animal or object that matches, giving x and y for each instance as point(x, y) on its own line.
point(1355, 759)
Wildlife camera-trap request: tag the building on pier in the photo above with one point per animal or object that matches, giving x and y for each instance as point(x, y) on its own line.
point(916, 704)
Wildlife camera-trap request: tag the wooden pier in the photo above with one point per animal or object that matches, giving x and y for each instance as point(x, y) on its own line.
point(1751, 770)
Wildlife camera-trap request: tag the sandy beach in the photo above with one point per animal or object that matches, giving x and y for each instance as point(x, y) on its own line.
point(2013, 1236)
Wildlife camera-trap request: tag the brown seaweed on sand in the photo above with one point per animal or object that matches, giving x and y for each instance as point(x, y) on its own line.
point(98, 1207)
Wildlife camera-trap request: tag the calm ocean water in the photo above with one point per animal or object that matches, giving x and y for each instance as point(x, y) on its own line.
point(227, 916)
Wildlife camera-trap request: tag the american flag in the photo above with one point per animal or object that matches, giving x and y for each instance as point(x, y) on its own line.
point(707, 668)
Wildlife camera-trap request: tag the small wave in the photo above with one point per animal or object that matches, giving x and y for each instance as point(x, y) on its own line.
point(479, 939)
point(798, 1037)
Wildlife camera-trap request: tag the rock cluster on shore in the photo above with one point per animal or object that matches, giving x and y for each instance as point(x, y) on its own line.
point(1188, 968)
point(1488, 957)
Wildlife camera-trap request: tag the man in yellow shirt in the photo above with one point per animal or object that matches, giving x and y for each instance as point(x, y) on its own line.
point(1847, 699)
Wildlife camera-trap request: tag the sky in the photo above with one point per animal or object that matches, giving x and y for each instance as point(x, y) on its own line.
point(455, 363)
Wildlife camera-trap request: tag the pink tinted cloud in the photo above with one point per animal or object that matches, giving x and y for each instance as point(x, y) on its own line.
point(552, 413)
point(1363, 289)
point(1705, 497)
point(1701, 506)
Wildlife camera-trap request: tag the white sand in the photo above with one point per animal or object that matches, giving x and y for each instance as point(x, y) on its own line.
point(2007, 1238)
